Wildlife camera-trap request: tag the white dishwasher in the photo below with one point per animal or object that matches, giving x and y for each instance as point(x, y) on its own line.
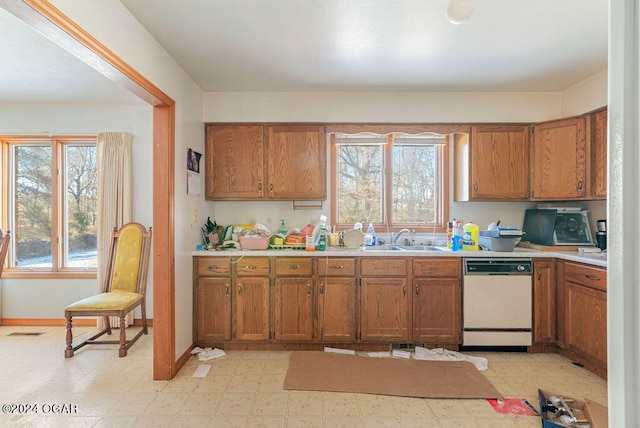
point(497, 302)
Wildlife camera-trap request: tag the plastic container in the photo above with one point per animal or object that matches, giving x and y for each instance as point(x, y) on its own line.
point(504, 243)
point(456, 238)
point(470, 237)
point(449, 233)
point(257, 243)
point(283, 229)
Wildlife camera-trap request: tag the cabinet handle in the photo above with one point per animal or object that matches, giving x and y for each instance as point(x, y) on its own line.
point(539, 274)
point(404, 289)
point(595, 278)
point(308, 289)
point(475, 187)
point(580, 185)
point(212, 268)
point(293, 267)
point(239, 289)
point(260, 188)
point(226, 289)
point(417, 289)
point(251, 267)
point(271, 188)
point(322, 288)
point(336, 266)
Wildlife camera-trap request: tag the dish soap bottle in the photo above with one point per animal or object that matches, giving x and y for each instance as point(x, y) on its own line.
point(283, 229)
point(370, 237)
point(456, 239)
point(470, 237)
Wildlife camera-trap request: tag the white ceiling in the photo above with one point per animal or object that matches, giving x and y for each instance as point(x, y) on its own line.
point(380, 45)
point(331, 45)
point(36, 70)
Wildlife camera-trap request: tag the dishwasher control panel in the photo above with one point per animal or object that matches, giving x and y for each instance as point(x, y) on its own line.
point(492, 266)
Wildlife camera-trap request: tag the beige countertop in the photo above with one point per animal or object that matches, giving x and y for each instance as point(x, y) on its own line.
point(592, 259)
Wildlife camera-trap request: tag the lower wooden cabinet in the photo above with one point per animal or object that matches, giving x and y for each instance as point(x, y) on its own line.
point(213, 310)
point(437, 301)
point(337, 309)
point(293, 309)
point(251, 308)
point(384, 310)
point(586, 313)
point(544, 302)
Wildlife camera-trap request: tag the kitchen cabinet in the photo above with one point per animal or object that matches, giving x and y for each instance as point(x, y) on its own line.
point(336, 299)
point(559, 160)
point(234, 162)
point(544, 302)
point(296, 162)
point(212, 300)
point(256, 162)
point(251, 298)
point(385, 314)
point(492, 163)
point(599, 139)
point(437, 300)
point(586, 313)
point(294, 302)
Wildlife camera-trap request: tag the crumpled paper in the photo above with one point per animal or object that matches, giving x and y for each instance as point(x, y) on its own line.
point(441, 354)
point(207, 353)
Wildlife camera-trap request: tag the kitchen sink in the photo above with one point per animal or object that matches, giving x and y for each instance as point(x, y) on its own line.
point(402, 248)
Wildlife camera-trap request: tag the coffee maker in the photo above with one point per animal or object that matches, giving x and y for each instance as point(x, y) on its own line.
point(601, 234)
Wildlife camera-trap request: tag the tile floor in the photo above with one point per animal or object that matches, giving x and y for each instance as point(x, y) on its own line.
point(242, 389)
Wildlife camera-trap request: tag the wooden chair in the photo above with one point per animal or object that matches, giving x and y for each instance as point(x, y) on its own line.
point(4, 248)
point(124, 288)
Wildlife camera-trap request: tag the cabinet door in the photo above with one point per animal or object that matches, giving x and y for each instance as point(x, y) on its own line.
point(599, 154)
point(293, 309)
point(559, 160)
point(213, 309)
point(587, 322)
point(234, 162)
point(499, 167)
point(384, 310)
point(437, 310)
point(337, 309)
point(251, 308)
point(544, 302)
point(296, 163)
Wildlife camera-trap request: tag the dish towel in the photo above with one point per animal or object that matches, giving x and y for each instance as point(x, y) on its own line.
point(441, 354)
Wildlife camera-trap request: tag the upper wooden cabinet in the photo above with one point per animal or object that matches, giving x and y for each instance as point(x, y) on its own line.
point(559, 160)
point(255, 162)
point(296, 163)
point(234, 162)
point(492, 163)
point(599, 154)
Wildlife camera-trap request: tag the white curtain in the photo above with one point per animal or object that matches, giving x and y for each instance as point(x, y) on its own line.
point(114, 198)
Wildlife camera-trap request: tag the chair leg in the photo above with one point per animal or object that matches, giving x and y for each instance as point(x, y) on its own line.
point(123, 338)
point(68, 352)
point(107, 325)
point(144, 316)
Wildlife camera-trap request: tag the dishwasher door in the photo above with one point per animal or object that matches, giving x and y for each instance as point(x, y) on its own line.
point(497, 306)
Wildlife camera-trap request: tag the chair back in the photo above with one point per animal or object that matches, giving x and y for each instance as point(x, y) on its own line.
point(128, 259)
point(4, 248)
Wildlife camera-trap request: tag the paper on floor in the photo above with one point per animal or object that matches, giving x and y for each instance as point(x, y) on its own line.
point(208, 353)
point(202, 370)
point(441, 354)
point(339, 351)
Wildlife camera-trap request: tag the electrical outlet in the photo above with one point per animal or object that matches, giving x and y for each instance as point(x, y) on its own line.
point(313, 221)
point(195, 216)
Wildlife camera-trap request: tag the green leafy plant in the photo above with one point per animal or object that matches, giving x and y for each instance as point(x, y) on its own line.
point(210, 233)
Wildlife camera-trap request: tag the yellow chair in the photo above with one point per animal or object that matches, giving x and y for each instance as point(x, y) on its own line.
point(124, 288)
point(4, 247)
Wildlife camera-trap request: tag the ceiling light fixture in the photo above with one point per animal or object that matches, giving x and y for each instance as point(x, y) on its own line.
point(459, 11)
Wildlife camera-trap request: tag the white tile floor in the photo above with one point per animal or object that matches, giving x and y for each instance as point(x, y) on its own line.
point(242, 389)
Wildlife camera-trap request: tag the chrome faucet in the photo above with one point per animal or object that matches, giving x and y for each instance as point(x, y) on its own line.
point(394, 238)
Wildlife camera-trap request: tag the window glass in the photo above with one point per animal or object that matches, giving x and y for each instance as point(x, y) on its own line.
point(81, 184)
point(360, 181)
point(32, 201)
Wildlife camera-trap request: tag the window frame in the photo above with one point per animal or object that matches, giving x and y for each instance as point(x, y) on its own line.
point(391, 132)
point(58, 195)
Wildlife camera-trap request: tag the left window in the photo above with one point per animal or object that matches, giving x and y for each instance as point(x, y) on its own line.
point(50, 202)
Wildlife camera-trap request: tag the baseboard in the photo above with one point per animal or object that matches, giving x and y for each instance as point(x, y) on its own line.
point(57, 322)
point(183, 359)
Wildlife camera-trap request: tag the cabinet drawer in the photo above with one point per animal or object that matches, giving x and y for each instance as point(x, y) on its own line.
point(213, 266)
point(252, 266)
point(437, 267)
point(383, 266)
point(293, 266)
point(586, 275)
point(336, 267)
